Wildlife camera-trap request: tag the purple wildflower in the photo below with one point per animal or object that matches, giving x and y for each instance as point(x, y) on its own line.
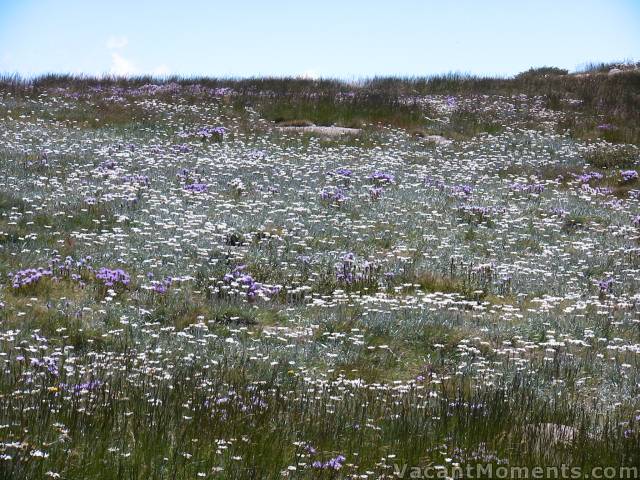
point(197, 187)
point(523, 187)
point(331, 464)
point(304, 259)
point(206, 133)
point(597, 190)
point(335, 195)
point(606, 285)
point(29, 276)
point(382, 177)
point(464, 190)
point(248, 284)
point(588, 176)
point(434, 182)
point(477, 211)
point(48, 363)
point(351, 271)
point(344, 172)
point(309, 449)
point(375, 192)
point(112, 278)
point(86, 387)
point(141, 180)
point(629, 175)
point(161, 287)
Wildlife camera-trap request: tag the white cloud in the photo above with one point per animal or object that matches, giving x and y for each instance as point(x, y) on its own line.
point(309, 75)
point(120, 66)
point(161, 71)
point(115, 42)
point(123, 66)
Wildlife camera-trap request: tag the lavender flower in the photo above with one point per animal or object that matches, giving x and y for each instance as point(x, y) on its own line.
point(304, 259)
point(463, 190)
point(142, 180)
point(606, 285)
point(48, 363)
point(86, 387)
point(382, 177)
point(434, 182)
point(588, 176)
point(210, 132)
point(248, 284)
point(309, 449)
point(161, 287)
point(335, 195)
point(523, 187)
point(629, 175)
point(344, 172)
point(29, 276)
point(331, 464)
point(477, 211)
point(349, 270)
point(112, 278)
point(597, 190)
point(375, 192)
point(197, 187)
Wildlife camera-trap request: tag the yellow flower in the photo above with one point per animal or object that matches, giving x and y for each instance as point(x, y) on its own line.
point(53, 389)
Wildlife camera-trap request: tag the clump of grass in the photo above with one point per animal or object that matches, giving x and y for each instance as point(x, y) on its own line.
point(103, 114)
point(234, 315)
point(464, 124)
point(574, 222)
point(609, 158)
point(543, 72)
point(9, 202)
point(380, 100)
point(294, 123)
point(353, 110)
point(431, 282)
point(606, 67)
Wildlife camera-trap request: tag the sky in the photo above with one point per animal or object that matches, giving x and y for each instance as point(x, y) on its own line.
point(324, 38)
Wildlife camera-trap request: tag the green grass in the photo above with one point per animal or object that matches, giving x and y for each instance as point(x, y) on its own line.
point(357, 111)
point(619, 158)
point(263, 435)
point(470, 338)
point(376, 100)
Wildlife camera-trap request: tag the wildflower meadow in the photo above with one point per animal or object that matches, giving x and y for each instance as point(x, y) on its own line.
point(316, 279)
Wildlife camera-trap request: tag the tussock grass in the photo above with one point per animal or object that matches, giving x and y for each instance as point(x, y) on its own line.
point(377, 100)
point(607, 158)
point(352, 111)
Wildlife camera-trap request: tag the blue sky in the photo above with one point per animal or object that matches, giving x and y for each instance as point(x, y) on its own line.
point(328, 38)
